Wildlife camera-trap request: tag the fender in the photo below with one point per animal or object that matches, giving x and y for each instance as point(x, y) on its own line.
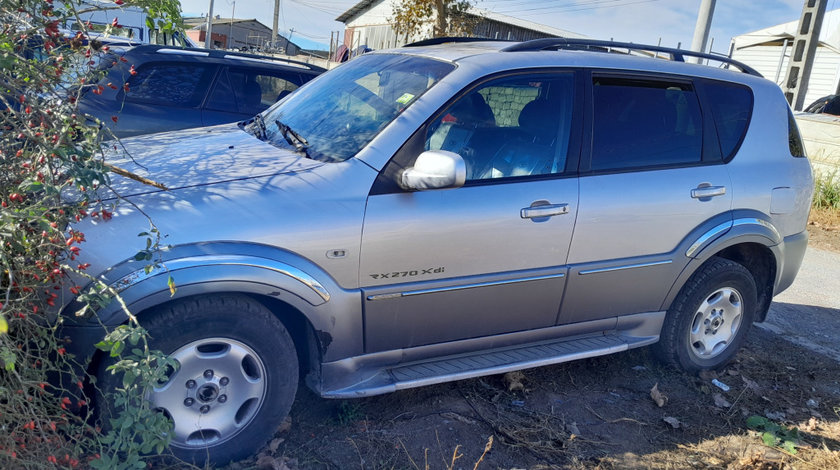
point(743, 227)
point(228, 267)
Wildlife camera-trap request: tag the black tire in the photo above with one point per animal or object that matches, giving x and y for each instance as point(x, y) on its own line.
point(212, 333)
point(696, 336)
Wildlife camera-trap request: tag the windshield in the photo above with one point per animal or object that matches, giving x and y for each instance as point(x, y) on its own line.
point(335, 116)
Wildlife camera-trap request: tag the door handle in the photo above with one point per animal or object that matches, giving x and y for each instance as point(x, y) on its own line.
point(543, 211)
point(705, 192)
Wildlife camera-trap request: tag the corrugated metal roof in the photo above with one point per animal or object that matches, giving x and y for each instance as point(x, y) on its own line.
point(829, 33)
point(355, 10)
point(199, 21)
point(480, 12)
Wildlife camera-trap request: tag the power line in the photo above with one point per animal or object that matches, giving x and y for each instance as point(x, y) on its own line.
point(597, 4)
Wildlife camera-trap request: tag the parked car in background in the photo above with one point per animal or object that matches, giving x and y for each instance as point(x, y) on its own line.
point(446, 211)
point(133, 27)
point(154, 88)
point(826, 105)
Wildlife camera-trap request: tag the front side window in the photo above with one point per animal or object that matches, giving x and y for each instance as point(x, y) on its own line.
point(250, 91)
point(512, 126)
point(641, 123)
point(344, 109)
point(170, 84)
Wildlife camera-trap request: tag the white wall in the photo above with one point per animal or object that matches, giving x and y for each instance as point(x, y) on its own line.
point(825, 75)
point(821, 136)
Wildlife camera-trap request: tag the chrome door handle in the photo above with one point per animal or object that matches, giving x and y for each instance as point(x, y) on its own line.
point(702, 192)
point(549, 210)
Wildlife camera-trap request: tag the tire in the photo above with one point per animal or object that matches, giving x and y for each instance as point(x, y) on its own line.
point(236, 380)
point(708, 321)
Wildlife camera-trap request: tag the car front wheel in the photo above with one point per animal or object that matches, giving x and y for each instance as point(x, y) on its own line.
point(708, 321)
point(235, 379)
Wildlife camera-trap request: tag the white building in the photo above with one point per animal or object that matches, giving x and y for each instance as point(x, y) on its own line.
point(764, 51)
point(368, 24)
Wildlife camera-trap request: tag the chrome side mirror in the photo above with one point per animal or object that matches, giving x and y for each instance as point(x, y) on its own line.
point(435, 169)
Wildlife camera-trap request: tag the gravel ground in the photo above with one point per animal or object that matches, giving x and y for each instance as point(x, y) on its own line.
point(808, 313)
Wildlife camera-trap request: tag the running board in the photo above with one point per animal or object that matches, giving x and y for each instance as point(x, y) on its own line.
point(497, 361)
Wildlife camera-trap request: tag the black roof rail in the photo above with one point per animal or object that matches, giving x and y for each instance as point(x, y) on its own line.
point(677, 55)
point(444, 40)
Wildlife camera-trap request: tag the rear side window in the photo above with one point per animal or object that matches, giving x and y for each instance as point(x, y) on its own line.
point(644, 123)
point(797, 148)
point(731, 106)
point(181, 85)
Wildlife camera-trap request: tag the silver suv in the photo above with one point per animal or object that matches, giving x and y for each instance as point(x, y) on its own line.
point(440, 212)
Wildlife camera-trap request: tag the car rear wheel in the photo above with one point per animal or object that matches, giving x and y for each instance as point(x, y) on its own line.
point(708, 321)
point(235, 379)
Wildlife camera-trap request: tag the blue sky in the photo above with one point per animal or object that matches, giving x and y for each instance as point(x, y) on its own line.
point(641, 21)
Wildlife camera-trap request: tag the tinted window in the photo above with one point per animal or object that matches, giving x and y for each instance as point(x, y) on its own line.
point(731, 107)
point(644, 123)
point(250, 91)
point(513, 126)
point(182, 85)
point(797, 149)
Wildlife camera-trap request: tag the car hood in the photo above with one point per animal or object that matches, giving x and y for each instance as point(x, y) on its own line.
point(197, 157)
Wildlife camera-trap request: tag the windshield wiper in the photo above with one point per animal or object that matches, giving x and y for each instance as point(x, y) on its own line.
point(259, 125)
point(293, 138)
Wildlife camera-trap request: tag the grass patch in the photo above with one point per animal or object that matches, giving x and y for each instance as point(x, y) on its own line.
point(827, 192)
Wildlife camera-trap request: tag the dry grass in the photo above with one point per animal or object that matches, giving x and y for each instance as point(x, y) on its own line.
point(825, 218)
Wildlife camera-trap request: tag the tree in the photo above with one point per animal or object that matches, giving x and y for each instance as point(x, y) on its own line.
point(446, 17)
point(47, 151)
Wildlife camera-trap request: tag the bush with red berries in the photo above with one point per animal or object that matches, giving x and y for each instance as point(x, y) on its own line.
point(46, 151)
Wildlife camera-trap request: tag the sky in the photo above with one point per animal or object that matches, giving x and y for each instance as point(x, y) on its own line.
point(640, 21)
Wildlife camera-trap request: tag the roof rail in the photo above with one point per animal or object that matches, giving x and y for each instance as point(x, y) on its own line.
point(677, 55)
point(223, 54)
point(443, 40)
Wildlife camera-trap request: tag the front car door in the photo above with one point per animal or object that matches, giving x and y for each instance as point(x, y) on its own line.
point(489, 257)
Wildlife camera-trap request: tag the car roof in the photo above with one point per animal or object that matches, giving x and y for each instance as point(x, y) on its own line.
point(579, 53)
point(216, 55)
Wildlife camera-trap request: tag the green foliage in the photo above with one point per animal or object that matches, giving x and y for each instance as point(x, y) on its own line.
point(412, 18)
point(46, 150)
point(775, 435)
point(827, 192)
point(348, 411)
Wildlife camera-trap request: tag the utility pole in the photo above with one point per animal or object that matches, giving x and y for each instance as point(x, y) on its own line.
point(803, 52)
point(704, 24)
point(274, 30)
point(208, 40)
point(230, 28)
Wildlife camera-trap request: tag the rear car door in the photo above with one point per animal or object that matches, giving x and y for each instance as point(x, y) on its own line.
point(488, 257)
point(654, 174)
point(162, 96)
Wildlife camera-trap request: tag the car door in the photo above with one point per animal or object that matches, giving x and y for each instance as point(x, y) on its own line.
point(239, 93)
point(653, 175)
point(161, 96)
point(488, 257)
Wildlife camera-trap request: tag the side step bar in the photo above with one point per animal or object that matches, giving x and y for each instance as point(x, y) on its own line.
point(497, 361)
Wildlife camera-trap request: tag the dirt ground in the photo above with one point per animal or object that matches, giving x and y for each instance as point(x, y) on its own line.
point(824, 229)
point(598, 413)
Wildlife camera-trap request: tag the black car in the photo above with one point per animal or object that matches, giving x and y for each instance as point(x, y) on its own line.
point(826, 105)
point(154, 88)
